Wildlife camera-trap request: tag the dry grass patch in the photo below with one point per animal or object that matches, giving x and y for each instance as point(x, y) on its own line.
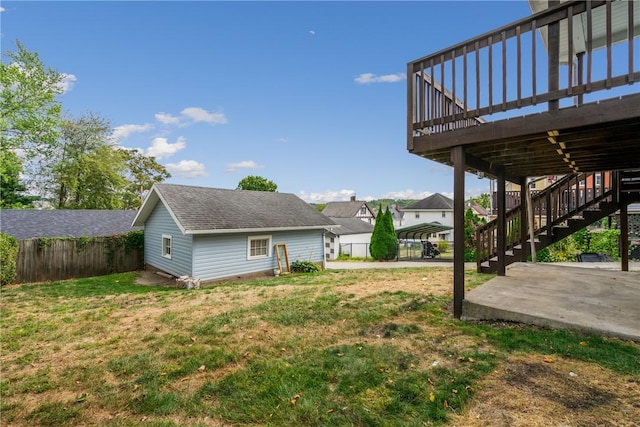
point(365, 347)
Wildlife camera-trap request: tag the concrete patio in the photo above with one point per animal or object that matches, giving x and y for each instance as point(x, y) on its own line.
point(583, 297)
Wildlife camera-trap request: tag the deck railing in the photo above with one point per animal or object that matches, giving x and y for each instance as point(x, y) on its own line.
point(511, 68)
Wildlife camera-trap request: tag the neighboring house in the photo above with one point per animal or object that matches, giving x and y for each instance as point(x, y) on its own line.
point(29, 223)
point(398, 216)
point(213, 233)
point(435, 209)
point(478, 209)
point(350, 209)
point(351, 238)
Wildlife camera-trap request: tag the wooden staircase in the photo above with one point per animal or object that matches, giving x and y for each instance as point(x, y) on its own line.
point(570, 204)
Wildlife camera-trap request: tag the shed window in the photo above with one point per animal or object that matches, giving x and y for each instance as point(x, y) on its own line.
point(417, 215)
point(166, 245)
point(444, 214)
point(258, 247)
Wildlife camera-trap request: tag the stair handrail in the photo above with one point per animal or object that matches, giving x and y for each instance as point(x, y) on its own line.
point(555, 212)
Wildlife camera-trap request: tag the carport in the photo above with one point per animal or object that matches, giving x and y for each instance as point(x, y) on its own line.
point(419, 232)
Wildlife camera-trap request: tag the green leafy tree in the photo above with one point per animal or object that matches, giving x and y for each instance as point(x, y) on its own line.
point(89, 171)
point(384, 242)
point(8, 258)
point(257, 183)
point(12, 190)
point(85, 171)
point(29, 111)
point(29, 117)
point(483, 200)
point(471, 222)
point(142, 172)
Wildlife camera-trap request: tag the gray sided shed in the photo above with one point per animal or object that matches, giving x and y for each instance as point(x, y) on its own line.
point(218, 233)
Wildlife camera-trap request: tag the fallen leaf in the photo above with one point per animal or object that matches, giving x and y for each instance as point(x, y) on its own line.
point(432, 397)
point(446, 404)
point(548, 359)
point(295, 399)
point(81, 398)
point(194, 339)
point(202, 368)
point(330, 411)
point(584, 343)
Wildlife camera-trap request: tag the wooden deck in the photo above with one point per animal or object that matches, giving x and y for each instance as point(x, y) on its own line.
point(564, 58)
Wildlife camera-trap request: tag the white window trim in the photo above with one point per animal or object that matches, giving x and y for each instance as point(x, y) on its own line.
point(269, 245)
point(170, 238)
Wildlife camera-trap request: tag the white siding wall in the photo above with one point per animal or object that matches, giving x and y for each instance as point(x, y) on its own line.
point(427, 216)
point(159, 223)
point(356, 244)
point(225, 255)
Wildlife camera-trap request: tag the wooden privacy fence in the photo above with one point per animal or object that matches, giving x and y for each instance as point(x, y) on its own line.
point(41, 260)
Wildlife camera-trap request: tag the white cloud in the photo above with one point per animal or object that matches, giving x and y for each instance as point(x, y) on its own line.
point(123, 131)
point(2, 9)
point(167, 119)
point(67, 82)
point(281, 140)
point(186, 169)
point(368, 78)
point(313, 33)
point(245, 164)
point(161, 148)
point(327, 196)
point(406, 194)
point(198, 114)
point(192, 115)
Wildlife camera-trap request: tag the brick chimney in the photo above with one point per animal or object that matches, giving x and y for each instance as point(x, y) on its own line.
point(353, 198)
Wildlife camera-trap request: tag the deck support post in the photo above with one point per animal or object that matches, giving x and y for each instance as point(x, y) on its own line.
point(553, 43)
point(459, 166)
point(524, 219)
point(501, 246)
point(624, 232)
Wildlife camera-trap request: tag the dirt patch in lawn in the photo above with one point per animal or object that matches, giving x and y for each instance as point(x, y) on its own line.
point(542, 391)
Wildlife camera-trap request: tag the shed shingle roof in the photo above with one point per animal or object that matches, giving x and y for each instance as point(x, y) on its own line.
point(199, 210)
point(436, 202)
point(27, 223)
point(351, 226)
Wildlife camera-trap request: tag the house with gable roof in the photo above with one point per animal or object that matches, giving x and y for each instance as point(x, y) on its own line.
point(435, 209)
point(351, 209)
point(213, 233)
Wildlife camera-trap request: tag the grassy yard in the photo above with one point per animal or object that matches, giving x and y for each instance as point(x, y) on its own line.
point(337, 348)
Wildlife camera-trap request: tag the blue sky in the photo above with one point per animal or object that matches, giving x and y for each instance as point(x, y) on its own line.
point(311, 95)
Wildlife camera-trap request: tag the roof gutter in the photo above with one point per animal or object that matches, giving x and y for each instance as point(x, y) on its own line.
point(256, 230)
